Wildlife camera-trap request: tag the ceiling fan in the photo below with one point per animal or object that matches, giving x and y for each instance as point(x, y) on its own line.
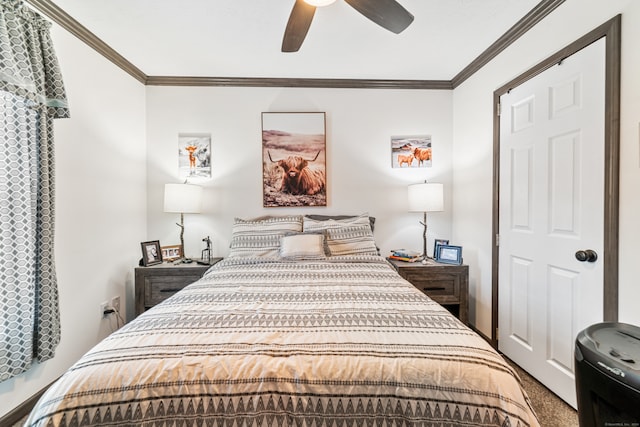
point(389, 14)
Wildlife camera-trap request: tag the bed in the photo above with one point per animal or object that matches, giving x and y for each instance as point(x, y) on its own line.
point(300, 326)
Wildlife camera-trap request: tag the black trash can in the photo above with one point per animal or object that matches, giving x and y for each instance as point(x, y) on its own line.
point(607, 357)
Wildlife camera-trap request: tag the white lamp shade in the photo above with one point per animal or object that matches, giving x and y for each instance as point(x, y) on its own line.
point(426, 197)
point(182, 198)
point(319, 3)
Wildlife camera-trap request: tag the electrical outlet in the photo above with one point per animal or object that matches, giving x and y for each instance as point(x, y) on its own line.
point(103, 307)
point(115, 303)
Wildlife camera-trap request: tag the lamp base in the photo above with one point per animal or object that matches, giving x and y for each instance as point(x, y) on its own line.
point(424, 238)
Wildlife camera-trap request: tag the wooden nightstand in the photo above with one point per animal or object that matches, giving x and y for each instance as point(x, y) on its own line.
point(156, 283)
point(446, 284)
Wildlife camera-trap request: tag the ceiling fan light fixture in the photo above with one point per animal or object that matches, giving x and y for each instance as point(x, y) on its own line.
point(389, 14)
point(319, 3)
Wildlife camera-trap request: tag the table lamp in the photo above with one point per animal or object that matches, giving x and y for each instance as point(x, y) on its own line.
point(182, 199)
point(425, 197)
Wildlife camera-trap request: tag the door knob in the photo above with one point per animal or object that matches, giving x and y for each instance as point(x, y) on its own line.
point(587, 255)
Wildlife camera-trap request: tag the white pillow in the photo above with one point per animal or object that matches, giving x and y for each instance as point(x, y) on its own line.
point(303, 246)
point(260, 237)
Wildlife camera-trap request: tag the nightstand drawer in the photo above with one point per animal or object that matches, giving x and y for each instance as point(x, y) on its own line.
point(159, 288)
point(443, 288)
point(156, 283)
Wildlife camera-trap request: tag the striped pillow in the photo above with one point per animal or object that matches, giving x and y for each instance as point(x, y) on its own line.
point(260, 237)
point(312, 223)
point(351, 240)
point(302, 246)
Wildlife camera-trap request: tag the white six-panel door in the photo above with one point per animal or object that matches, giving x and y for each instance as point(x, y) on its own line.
point(551, 207)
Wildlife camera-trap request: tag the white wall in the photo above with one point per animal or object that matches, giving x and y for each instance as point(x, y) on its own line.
point(100, 206)
point(360, 178)
point(473, 144)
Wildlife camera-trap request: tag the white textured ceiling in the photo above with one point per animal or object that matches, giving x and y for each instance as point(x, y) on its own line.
point(242, 38)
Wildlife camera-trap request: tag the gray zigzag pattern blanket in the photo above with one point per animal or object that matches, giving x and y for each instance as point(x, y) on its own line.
point(261, 342)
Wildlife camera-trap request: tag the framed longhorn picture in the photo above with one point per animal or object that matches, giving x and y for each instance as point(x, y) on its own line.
point(294, 159)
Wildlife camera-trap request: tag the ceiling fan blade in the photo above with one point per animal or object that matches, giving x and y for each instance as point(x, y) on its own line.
point(388, 14)
point(298, 25)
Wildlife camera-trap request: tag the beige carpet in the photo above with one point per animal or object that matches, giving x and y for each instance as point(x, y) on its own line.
point(551, 410)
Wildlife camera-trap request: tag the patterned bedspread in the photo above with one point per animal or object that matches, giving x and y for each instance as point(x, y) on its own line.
point(260, 342)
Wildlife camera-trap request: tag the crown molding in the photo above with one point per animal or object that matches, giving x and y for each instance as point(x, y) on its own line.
point(62, 18)
point(539, 12)
point(59, 16)
point(297, 82)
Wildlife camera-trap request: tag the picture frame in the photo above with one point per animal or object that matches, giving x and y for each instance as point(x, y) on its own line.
point(438, 242)
point(171, 253)
point(194, 155)
point(151, 253)
point(294, 159)
point(449, 254)
point(412, 151)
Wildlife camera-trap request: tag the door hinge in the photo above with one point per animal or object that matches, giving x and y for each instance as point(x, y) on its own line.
point(498, 109)
point(497, 240)
point(497, 334)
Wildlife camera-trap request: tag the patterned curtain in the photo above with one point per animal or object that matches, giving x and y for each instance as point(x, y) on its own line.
point(31, 96)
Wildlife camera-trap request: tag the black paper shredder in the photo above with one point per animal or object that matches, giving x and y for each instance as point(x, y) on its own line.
point(607, 357)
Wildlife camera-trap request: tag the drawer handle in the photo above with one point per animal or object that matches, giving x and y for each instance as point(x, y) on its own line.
point(434, 289)
point(169, 290)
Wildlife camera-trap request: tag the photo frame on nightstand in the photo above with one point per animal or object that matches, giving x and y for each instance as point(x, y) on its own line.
point(151, 253)
point(171, 253)
point(449, 254)
point(438, 242)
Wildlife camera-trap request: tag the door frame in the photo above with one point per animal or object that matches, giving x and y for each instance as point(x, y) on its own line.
point(611, 30)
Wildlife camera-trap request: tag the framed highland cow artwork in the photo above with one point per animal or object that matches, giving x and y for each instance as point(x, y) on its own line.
point(194, 155)
point(294, 159)
point(411, 151)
